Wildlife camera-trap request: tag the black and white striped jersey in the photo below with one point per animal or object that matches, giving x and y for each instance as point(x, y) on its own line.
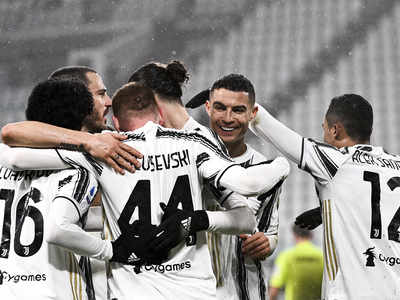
point(239, 277)
point(31, 268)
point(359, 191)
point(173, 167)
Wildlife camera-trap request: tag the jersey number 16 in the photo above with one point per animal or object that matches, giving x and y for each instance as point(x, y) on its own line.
point(23, 211)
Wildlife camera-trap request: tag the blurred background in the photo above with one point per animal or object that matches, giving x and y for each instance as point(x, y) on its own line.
point(298, 54)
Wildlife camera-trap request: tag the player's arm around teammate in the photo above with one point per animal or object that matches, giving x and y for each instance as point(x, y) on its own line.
point(107, 148)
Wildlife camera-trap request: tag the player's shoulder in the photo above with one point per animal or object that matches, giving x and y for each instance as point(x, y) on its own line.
point(325, 146)
point(192, 136)
point(80, 176)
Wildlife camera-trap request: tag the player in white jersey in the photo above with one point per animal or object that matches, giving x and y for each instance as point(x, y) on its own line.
point(29, 266)
point(171, 166)
point(357, 185)
point(239, 264)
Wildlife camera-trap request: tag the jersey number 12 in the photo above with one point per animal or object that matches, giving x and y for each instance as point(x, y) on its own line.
point(376, 222)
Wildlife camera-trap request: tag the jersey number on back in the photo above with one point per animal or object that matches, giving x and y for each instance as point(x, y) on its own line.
point(376, 222)
point(141, 197)
point(23, 211)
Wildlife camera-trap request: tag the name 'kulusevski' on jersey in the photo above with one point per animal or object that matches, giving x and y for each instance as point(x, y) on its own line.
point(178, 186)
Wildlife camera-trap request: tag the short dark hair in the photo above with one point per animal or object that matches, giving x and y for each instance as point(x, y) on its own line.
point(355, 113)
point(165, 80)
point(73, 72)
point(60, 102)
point(236, 83)
point(301, 232)
point(133, 97)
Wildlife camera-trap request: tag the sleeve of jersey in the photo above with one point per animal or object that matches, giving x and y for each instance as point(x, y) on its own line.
point(279, 273)
point(322, 161)
point(225, 197)
point(287, 141)
point(63, 230)
point(78, 186)
point(78, 160)
point(255, 179)
point(18, 158)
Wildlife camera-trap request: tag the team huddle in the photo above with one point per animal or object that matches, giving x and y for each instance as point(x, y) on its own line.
point(189, 212)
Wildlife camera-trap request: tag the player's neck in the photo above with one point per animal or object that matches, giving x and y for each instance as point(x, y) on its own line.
point(349, 142)
point(301, 240)
point(237, 148)
point(175, 115)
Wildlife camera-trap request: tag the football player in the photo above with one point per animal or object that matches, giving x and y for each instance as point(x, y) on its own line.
point(30, 267)
point(172, 169)
point(358, 187)
point(105, 147)
point(238, 261)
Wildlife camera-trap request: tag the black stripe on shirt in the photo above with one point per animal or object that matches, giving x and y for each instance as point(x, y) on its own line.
point(82, 184)
point(135, 137)
point(201, 158)
point(223, 200)
point(302, 153)
point(265, 220)
point(242, 272)
point(328, 164)
point(222, 174)
point(84, 264)
point(192, 136)
point(219, 141)
point(95, 164)
point(261, 283)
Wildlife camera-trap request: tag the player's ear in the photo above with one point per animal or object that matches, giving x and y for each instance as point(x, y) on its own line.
point(337, 131)
point(340, 131)
point(161, 119)
point(116, 123)
point(208, 107)
point(254, 112)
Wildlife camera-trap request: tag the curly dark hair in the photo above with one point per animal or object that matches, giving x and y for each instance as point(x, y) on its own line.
point(164, 80)
point(60, 102)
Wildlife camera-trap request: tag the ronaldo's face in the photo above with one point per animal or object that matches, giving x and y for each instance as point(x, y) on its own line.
point(96, 122)
point(230, 113)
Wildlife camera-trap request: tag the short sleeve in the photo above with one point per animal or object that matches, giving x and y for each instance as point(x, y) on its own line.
point(78, 186)
point(321, 160)
point(279, 273)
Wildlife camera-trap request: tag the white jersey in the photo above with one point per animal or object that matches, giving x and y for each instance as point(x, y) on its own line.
point(173, 167)
point(240, 277)
point(30, 268)
point(359, 190)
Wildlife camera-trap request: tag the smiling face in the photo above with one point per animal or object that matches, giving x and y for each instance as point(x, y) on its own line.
point(230, 113)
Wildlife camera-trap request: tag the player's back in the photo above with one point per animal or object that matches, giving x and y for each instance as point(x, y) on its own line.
point(361, 212)
point(169, 174)
point(30, 267)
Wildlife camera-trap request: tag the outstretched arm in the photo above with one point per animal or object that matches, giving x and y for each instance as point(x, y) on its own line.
point(283, 138)
point(107, 147)
point(255, 179)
